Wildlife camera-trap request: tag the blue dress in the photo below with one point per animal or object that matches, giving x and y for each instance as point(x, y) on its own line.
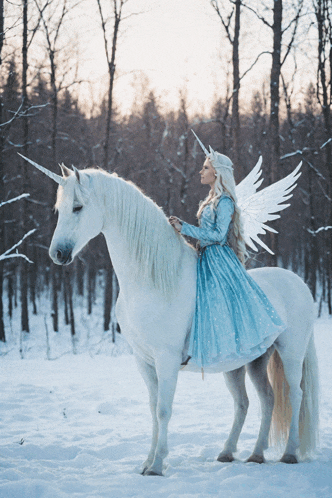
point(234, 322)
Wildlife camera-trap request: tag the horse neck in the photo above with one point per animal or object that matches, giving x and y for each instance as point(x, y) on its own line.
point(143, 247)
point(116, 243)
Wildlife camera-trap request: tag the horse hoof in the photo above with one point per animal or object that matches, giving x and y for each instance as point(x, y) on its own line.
point(151, 473)
point(256, 458)
point(225, 458)
point(144, 470)
point(287, 458)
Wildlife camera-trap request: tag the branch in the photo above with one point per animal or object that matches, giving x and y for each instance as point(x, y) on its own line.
point(327, 142)
point(261, 18)
point(22, 196)
point(24, 113)
point(103, 25)
point(252, 65)
point(11, 120)
point(63, 13)
point(16, 255)
point(35, 29)
point(296, 21)
point(321, 177)
point(314, 232)
point(6, 254)
point(215, 5)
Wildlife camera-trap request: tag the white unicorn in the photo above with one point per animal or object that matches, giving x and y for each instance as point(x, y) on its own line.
point(156, 270)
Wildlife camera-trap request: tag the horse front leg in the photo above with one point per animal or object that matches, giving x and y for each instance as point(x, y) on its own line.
point(236, 386)
point(167, 368)
point(149, 375)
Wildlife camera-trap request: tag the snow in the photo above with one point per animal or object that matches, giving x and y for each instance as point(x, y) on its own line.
point(79, 427)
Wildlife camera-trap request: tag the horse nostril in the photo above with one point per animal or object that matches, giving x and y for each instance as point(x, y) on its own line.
point(58, 255)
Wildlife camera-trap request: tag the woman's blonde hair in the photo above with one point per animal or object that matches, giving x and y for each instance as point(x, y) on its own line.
point(225, 184)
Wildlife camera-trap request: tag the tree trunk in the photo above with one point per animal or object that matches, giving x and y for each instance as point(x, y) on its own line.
point(65, 297)
point(274, 110)
point(108, 298)
point(55, 275)
point(115, 292)
point(236, 85)
point(91, 287)
point(324, 26)
point(24, 214)
point(68, 286)
point(33, 274)
point(111, 73)
point(79, 267)
point(2, 186)
point(10, 295)
point(55, 309)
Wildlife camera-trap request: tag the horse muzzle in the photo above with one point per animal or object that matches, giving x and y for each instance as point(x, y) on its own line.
point(62, 255)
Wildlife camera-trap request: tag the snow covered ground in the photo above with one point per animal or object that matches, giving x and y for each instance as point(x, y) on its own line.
point(79, 427)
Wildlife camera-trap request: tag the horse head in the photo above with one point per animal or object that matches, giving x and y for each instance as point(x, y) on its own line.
point(79, 212)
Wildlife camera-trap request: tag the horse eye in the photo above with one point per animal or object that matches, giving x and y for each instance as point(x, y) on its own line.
point(76, 209)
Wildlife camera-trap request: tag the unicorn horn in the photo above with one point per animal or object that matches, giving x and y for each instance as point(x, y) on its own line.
point(200, 143)
point(212, 153)
point(58, 179)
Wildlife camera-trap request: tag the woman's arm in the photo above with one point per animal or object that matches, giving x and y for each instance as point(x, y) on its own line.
point(224, 212)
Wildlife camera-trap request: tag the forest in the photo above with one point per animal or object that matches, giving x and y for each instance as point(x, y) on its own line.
point(41, 117)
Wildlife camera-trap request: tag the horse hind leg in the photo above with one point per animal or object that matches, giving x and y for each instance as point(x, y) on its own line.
point(302, 378)
point(293, 374)
point(257, 371)
point(235, 382)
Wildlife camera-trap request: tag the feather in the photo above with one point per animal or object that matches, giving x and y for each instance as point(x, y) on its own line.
point(259, 207)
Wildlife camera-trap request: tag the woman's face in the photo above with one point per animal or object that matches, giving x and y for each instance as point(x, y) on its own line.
point(208, 173)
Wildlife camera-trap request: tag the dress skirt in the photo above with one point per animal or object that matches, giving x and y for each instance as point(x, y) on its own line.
point(234, 322)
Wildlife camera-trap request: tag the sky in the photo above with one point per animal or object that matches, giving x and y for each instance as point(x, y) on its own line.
point(178, 45)
point(166, 46)
point(175, 44)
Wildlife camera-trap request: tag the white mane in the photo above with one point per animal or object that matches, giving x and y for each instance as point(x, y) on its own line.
point(151, 240)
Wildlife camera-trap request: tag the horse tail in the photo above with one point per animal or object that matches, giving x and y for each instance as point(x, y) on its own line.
point(282, 411)
point(309, 412)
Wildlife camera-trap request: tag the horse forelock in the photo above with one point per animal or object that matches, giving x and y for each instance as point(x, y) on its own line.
point(72, 192)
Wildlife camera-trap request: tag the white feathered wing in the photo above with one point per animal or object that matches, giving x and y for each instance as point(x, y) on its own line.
point(259, 207)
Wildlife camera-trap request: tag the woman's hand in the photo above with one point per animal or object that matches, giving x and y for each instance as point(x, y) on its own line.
point(176, 223)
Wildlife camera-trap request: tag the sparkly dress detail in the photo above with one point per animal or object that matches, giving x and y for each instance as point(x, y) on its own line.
point(234, 322)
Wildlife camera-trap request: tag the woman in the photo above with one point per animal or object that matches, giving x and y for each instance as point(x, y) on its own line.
point(234, 322)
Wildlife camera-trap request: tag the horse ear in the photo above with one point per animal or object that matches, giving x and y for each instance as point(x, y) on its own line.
point(77, 174)
point(65, 171)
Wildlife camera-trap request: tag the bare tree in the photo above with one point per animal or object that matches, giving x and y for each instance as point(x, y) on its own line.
point(233, 35)
point(52, 14)
point(110, 51)
point(323, 12)
point(2, 190)
point(279, 57)
point(24, 214)
point(9, 254)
